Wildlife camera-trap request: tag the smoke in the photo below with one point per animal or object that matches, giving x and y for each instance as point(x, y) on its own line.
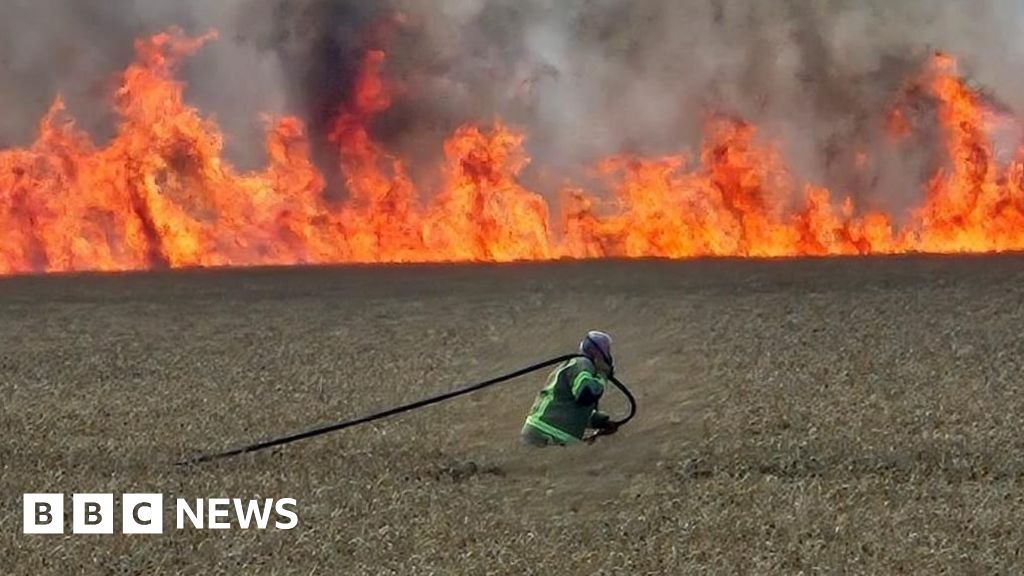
point(584, 78)
point(76, 49)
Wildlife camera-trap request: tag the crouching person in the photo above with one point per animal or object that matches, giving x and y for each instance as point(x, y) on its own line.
point(568, 405)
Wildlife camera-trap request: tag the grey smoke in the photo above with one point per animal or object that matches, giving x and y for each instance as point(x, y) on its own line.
point(78, 48)
point(583, 78)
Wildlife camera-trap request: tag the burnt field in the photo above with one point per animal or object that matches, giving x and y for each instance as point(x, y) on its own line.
point(853, 415)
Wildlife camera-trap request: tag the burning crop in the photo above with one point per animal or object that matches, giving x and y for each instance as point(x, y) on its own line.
point(161, 194)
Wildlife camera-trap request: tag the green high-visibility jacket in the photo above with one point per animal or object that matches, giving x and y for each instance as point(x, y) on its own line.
point(567, 406)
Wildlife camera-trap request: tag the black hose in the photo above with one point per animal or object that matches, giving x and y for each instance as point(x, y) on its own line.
point(405, 408)
point(629, 398)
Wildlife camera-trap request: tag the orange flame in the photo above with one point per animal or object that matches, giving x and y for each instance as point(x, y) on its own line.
point(160, 194)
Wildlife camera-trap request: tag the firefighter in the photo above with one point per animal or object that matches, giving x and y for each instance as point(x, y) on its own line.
point(567, 406)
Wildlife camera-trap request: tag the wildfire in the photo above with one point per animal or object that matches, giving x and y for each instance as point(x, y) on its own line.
point(160, 194)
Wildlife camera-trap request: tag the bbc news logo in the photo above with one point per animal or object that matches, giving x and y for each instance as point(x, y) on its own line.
point(144, 514)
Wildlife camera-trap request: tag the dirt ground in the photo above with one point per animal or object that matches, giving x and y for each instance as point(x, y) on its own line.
point(853, 415)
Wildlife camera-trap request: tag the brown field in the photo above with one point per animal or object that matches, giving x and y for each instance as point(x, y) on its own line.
point(860, 415)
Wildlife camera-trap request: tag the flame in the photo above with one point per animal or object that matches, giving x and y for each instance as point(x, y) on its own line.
point(483, 213)
point(970, 206)
point(160, 193)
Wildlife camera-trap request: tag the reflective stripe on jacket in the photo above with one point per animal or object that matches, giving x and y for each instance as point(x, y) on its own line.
point(567, 405)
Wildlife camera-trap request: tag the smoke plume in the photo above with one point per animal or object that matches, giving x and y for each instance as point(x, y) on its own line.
point(584, 79)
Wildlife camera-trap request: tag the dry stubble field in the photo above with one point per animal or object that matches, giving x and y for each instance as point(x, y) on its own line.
point(859, 415)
